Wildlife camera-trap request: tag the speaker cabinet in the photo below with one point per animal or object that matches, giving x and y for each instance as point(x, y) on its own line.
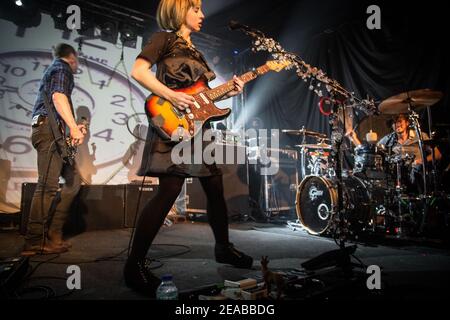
point(278, 191)
point(25, 204)
point(235, 183)
point(132, 192)
point(97, 207)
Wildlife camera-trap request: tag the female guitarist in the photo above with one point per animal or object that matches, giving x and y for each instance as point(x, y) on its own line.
point(179, 65)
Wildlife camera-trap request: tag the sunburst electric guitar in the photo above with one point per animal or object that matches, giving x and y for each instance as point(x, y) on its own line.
point(176, 125)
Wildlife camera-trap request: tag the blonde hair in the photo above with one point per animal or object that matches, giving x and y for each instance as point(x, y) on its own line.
point(171, 14)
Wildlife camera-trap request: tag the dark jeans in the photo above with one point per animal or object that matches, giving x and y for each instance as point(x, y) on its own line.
point(50, 204)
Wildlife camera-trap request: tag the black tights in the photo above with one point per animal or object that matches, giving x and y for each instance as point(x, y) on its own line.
point(156, 210)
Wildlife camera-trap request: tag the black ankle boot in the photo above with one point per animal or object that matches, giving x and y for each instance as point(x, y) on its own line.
point(139, 278)
point(228, 254)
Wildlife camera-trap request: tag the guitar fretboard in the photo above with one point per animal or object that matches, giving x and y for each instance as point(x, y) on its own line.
point(220, 91)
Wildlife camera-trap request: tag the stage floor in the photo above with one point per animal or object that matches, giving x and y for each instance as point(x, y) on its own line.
point(186, 250)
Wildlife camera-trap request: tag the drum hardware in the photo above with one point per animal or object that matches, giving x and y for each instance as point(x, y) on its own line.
point(369, 162)
point(328, 88)
point(410, 102)
point(304, 132)
point(332, 207)
point(315, 158)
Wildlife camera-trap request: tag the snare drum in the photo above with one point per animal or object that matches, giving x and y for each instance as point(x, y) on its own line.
point(369, 162)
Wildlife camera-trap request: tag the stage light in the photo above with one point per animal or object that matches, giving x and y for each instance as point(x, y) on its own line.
point(128, 36)
point(216, 60)
point(23, 13)
point(109, 32)
point(59, 18)
point(87, 26)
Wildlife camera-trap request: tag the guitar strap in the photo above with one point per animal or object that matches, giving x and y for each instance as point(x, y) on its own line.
point(60, 141)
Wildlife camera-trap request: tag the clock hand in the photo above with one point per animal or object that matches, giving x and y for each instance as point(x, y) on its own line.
point(20, 107)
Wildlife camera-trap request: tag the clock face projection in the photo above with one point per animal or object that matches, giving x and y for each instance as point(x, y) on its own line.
point(103, 95)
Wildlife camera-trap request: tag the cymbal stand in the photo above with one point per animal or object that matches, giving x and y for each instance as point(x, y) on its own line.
point(399, 192)
point(320, 84)
point(414, 119)
point(433, 155)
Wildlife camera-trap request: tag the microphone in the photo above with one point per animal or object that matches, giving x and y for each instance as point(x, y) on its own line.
point(234, 25)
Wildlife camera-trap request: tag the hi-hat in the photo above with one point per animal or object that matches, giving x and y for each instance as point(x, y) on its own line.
point(305, 132)
point(415, 100)
point(315, 146)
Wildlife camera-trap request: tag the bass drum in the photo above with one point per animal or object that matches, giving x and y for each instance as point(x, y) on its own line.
point(317, 202)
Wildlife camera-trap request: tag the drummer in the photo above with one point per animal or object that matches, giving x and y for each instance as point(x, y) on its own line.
point(404, 140)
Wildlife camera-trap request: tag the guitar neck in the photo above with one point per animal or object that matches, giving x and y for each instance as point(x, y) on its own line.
point(220, 91)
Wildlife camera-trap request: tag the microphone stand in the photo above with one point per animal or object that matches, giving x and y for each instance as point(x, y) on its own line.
point(340, 257)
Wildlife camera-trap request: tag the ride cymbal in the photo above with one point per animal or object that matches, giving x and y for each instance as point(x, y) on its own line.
point(417, 99)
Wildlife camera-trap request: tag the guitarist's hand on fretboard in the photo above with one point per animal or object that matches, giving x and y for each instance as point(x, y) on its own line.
point(238, 87)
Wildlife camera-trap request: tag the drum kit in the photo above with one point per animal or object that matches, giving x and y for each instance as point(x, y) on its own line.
point(376, 195)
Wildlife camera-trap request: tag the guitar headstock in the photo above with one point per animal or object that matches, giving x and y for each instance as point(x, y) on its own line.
point(277, 65)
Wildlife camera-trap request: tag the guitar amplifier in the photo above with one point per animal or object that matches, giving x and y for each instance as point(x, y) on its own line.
point(132, 192)
point(195, 197)
point(278, 191)
point(97, 207)
point(25, 204)
point(235, 184)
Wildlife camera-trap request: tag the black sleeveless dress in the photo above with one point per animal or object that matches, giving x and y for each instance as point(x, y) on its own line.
point(178, 66)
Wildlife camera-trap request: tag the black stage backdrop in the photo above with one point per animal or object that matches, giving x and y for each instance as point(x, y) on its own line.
point(409, 52)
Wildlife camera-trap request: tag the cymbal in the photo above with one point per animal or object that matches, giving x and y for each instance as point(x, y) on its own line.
point(435, 142)
point(417, 99)
point(441, 125)
point(315, 146)
point(305, 132)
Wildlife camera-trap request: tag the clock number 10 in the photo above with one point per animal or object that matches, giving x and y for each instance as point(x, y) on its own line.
point(15, 71)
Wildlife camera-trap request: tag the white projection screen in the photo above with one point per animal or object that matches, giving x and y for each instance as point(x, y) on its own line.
point(104, 93)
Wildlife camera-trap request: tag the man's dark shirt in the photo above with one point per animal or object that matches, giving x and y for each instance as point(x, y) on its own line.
point(57, 78)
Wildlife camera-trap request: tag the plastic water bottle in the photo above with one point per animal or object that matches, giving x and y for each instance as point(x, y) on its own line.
point(167, 289)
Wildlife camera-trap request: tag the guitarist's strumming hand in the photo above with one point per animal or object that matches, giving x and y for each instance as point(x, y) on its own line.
point(180, 100)
point(76, 135)
point(83, 128)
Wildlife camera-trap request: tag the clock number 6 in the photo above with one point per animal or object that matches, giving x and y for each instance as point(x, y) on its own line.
point(13, 146)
